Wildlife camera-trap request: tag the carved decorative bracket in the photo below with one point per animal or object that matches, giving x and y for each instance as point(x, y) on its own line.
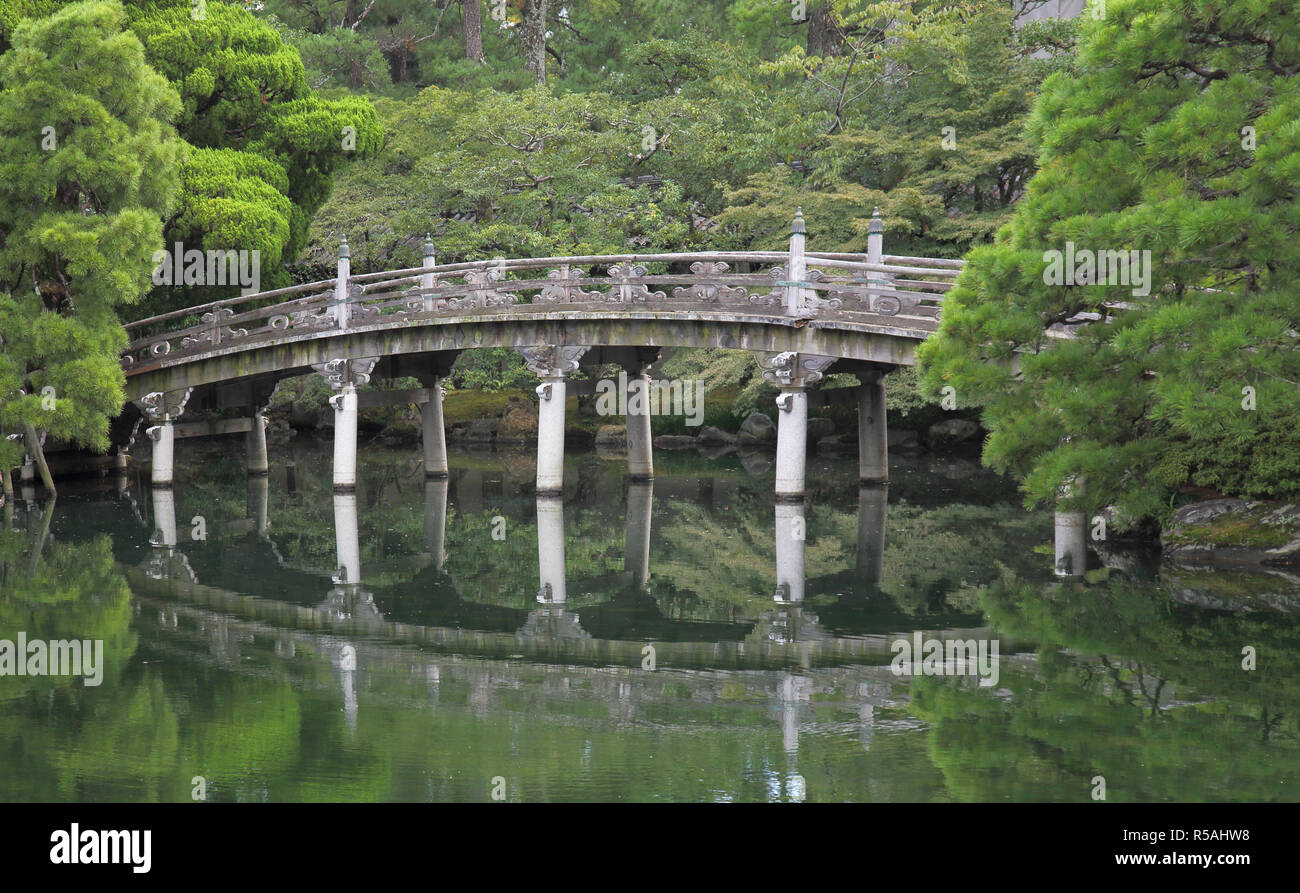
point(551, 361)
point(790, 369)
point(345, 370)
point(165, 406)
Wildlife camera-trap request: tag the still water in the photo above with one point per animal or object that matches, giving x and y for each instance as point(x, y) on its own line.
point(687, 640)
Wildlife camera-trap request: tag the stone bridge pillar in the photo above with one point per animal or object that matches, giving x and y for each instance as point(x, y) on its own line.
point(792, 372)
point(640, 440)
point(258, 464)
point(257, 501)
point(553, 365)
point(1070, 540)
point(343, 375)
point(433, 434)
point(255, 444)
point(873, 430)
point(433, 430)
point(163, 408)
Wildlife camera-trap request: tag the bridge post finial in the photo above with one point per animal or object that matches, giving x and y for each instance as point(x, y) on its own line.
point(796, 268)
point(875, 238)
point(341, 284)
point(426, 279)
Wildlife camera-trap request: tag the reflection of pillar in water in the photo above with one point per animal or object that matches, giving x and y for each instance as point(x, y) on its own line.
point(872, 502)
point(435, 519)
point(636, 559)
point(347, 663)
point(791, 534)
point(259, 491)
point(1071, 544)
point(792, 690)
point(434, 677)
point(164, 516)
point(347, 537)
point(873, 436)
point(550, 549)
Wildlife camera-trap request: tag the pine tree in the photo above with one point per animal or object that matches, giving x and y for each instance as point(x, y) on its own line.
point(88, 171)
point(1178, 136)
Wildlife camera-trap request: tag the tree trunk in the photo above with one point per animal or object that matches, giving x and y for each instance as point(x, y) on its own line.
point(535, 39)
point(38, 453)
point(472, 14)
point(7, 479)
point(824, 35)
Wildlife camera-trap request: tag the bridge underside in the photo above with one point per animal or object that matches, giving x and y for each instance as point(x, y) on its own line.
point(295, 355)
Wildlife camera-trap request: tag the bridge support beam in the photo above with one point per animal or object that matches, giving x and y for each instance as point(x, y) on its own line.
point(343, 375)
point(553, 365)
point(873, 430)
point(792, 372)
point(163, 408)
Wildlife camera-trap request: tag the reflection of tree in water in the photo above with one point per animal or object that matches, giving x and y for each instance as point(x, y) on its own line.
point(1152, 697)
point(64, 591)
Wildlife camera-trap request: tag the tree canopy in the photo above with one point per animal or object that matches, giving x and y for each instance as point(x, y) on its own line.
point(1176, 139)
point(88, 172)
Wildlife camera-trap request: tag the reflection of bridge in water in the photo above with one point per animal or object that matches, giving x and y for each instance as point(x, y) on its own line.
point(625, 647)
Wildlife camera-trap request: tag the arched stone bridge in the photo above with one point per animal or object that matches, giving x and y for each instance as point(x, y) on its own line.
point(804, 314)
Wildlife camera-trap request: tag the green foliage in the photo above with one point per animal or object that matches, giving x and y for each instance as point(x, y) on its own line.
point(88, 170)
point(267, 146)
point(539, 173)
point(1145, 150)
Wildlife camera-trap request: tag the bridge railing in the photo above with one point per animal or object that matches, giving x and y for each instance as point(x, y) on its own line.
point(890, 290)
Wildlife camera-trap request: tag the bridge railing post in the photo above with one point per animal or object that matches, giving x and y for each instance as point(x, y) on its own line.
point(342, 311)
point(426, 280)
point(876, 255)
point(797, 267)
point(875, 239)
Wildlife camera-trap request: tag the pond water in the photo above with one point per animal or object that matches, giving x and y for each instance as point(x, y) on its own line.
point(687, 640)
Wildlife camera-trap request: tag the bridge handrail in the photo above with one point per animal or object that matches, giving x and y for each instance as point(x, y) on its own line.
point(228, 302)
point(800, 283)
